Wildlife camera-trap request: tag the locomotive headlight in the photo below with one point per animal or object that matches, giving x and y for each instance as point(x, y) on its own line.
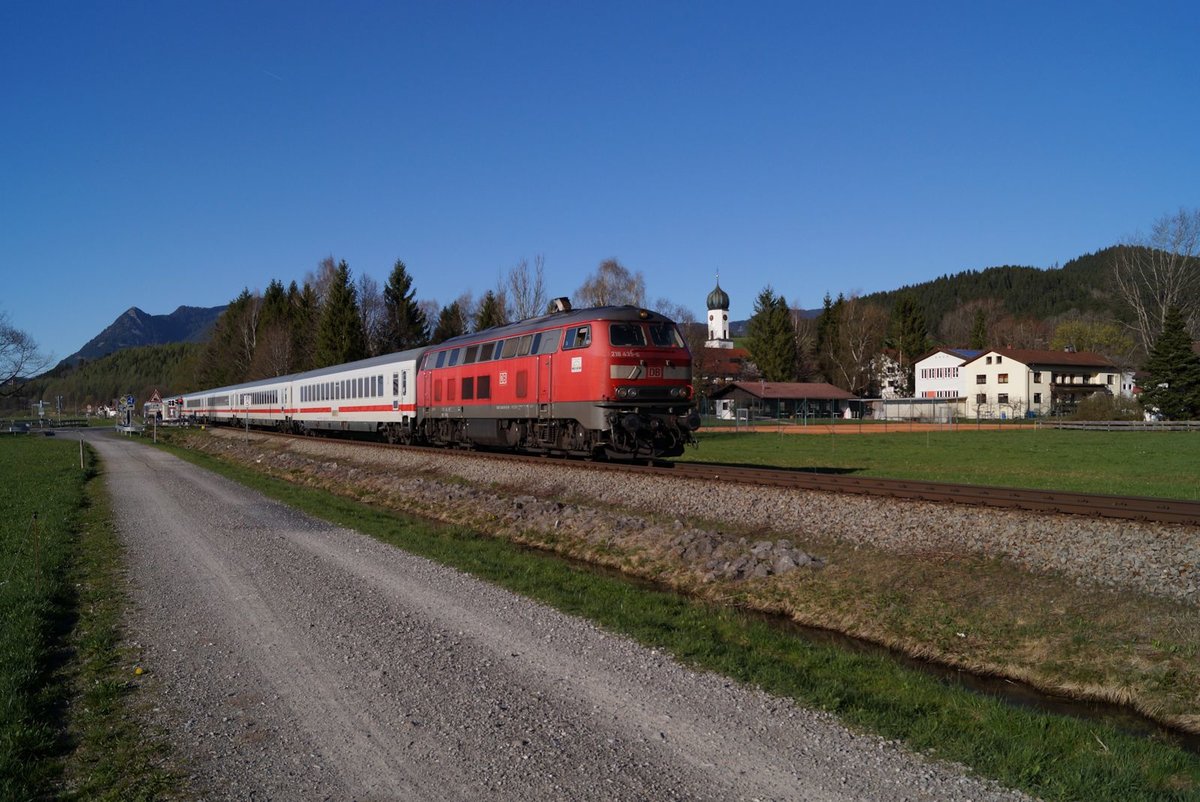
point(633, 392)
point(622, 392)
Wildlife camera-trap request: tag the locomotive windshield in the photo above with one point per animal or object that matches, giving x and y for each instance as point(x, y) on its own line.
point(665, 335)
point(662, 335)
point(626, 334)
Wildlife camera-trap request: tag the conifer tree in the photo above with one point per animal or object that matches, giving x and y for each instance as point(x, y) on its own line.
point(450, 324)
point(829, 338)
point(340, 336)
point(772, 340)
point(1173, 382)
point(404, 323)
point(979, 330)
point(910, 335)
point(491, 312)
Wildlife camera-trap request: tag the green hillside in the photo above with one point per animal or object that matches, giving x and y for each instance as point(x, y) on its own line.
point(137, 371)
point(1081, 285)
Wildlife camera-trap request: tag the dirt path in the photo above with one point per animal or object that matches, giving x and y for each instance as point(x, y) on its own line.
point(298, 660)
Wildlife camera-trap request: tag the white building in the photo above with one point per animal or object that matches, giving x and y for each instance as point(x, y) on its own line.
point(938, 375)
point(1014, 383)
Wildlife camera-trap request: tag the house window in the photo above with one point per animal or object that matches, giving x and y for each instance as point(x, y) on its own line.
point(981, 398)
point(1037, 377)
point(998, 358)
point(1002, 398)
point(1037, 398)
point(989, 360)
point(1109, 380)
point(981, 378)
point(1002, 378)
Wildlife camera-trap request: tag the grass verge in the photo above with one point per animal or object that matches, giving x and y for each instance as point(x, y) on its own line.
point(1051, 756)
point(66, 729)
point(1121, 463)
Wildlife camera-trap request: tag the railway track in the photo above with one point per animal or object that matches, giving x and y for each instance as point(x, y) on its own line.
point(1138, 508)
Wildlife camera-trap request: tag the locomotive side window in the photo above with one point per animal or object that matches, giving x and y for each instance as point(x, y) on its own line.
point(665, 335)
point(469, 355)
point(454, 357)
point(526, 344)
point(485, 351)
point(522, 383)
point(510, 348)
point(437, 389)
point(549, 343)
point(441, 358)
point(483, 387)
point(626, 334)
point(450, 389)
point(468, 388)
point(578, 337)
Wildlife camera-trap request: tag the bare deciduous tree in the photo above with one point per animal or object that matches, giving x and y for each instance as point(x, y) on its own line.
point(1162, 270)
point(863, 328)
point(321, 279)
point(19, 357)
point(371, 310)
point(525, 291)
point(612, 285)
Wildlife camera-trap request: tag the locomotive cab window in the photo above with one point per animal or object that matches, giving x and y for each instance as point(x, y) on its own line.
point(578, 337)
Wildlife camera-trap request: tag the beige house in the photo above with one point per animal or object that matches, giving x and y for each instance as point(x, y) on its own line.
point(1018, 383)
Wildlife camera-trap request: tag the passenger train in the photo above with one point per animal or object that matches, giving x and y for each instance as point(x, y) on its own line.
point(610, 382)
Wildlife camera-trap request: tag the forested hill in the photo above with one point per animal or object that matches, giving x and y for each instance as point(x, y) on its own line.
point(1083, 285)
point(133, 371)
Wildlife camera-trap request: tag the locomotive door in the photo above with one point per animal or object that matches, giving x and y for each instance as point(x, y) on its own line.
point(544, 397)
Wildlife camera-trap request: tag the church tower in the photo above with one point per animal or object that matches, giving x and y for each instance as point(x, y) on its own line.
point(718, 319)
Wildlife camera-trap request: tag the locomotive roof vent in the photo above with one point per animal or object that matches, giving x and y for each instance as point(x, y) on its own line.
point(559, 305)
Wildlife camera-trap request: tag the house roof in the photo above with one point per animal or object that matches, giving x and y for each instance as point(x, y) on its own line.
point(1029, 356)
point(961, 353)
point(816, 391)
point(725, 361)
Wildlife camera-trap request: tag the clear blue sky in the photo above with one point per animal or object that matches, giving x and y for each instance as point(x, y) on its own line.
point(156, 154)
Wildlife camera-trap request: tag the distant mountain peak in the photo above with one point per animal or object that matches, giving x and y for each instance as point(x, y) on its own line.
point(134, 328)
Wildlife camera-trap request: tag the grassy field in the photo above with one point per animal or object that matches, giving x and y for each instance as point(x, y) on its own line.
point(1163, 464)
point(1051, 756)
point(65, 728)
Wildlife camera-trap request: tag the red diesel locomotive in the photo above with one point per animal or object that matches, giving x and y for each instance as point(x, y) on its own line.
point(612, 381)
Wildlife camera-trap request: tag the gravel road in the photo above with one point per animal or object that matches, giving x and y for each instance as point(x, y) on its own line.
point(297, 660)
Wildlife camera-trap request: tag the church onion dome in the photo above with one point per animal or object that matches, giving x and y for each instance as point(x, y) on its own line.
point(718, 298)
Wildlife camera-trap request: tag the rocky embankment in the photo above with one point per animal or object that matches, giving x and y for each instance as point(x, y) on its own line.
point(720, 531)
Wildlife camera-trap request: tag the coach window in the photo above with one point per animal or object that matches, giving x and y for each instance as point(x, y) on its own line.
point(395, 384)
point(510, 348)
point(620, 334)
point(379, 385)
point(485, 351)
point(468, 388)
point(403, 383)
point(469, 354)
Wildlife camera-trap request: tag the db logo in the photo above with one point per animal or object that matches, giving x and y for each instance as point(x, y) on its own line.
point(655, 373)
